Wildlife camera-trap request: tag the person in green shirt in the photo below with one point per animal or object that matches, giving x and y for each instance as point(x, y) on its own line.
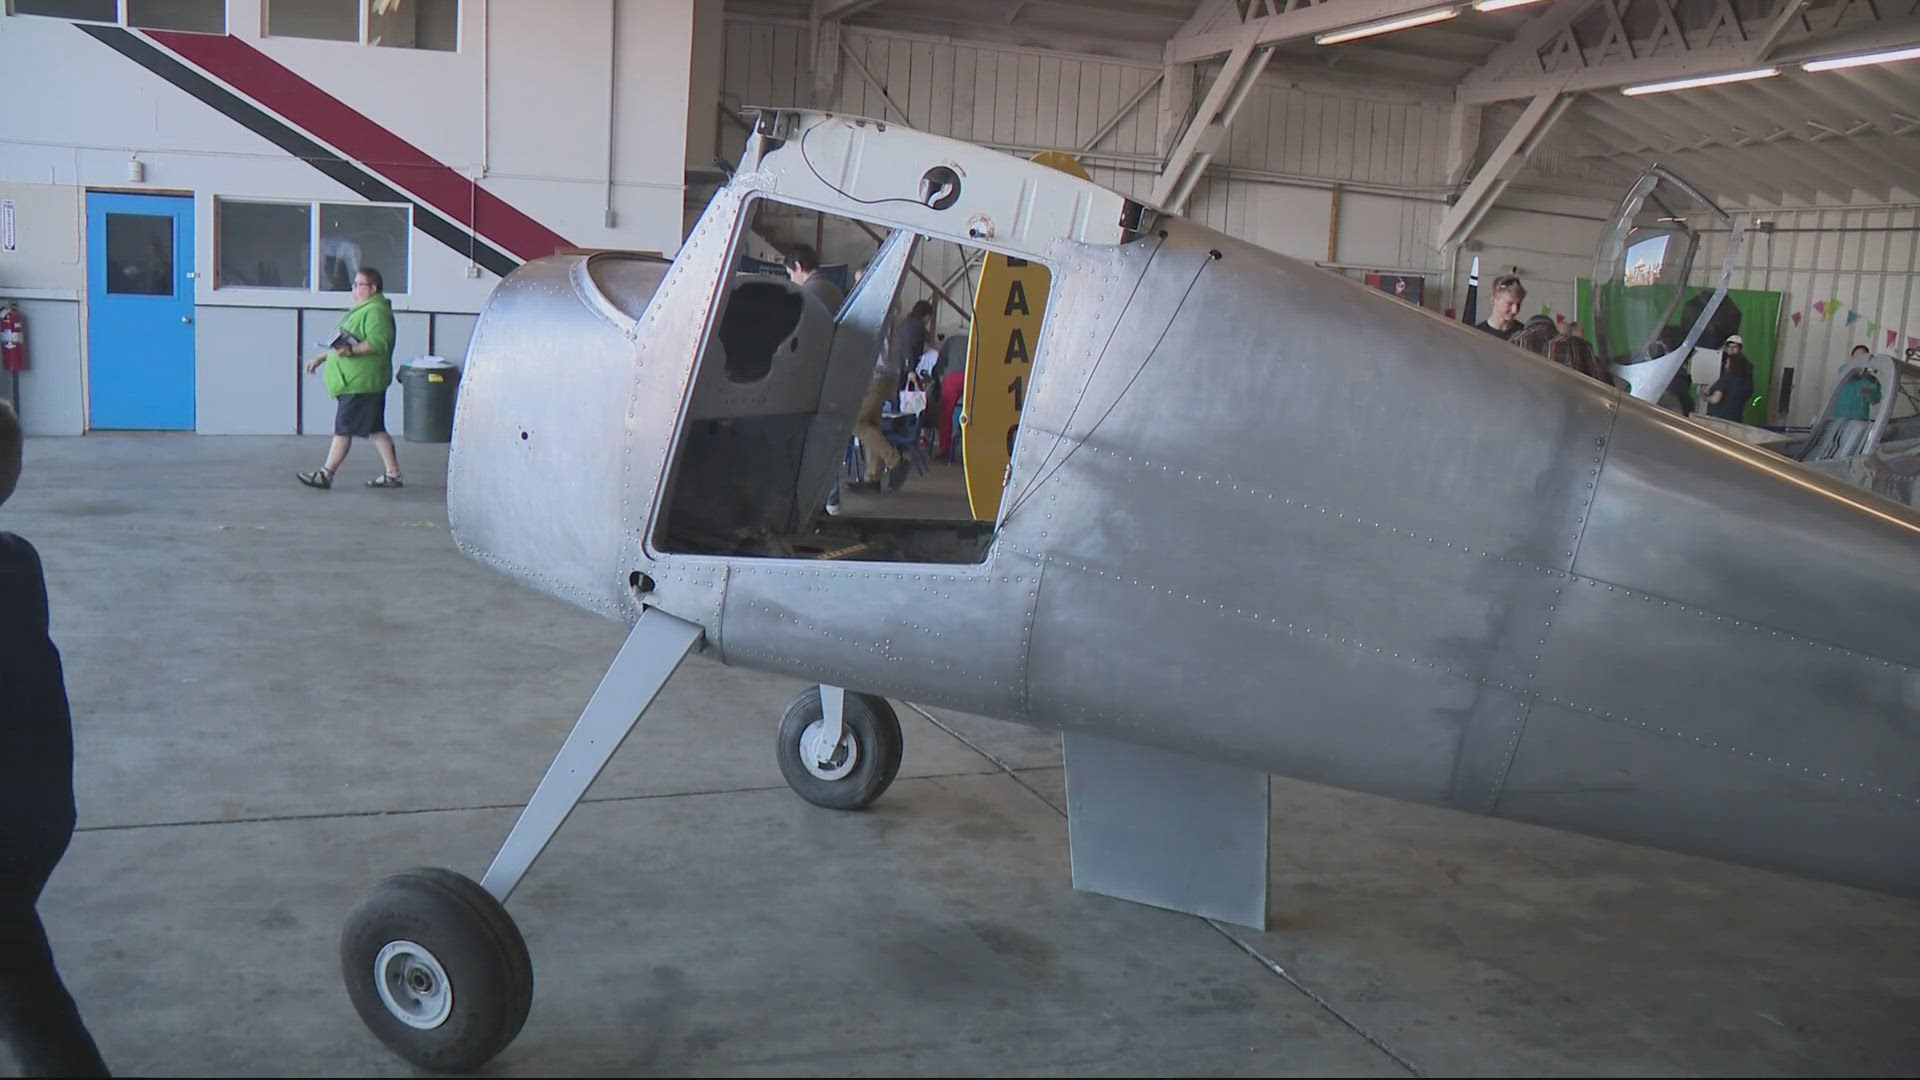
point(359, 368)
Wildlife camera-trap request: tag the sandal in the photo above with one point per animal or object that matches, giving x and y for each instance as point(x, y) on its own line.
point(385, 480)
point(318, 478)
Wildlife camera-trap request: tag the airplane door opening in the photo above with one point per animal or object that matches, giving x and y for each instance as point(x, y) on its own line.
point(849, 401)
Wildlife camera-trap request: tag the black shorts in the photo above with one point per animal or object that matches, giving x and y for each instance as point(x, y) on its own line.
point(360, 414)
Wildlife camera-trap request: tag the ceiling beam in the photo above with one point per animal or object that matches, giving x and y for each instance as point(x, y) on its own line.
point(956, 30)
point(1208, 129)
point(1210, 15)
point(827, 10)
point(1302, 22)
point(1524, 50)
point(1777, 26)
point(1486, 186)
point(1828, 168)
point(1476, 89)
point(1872, 173)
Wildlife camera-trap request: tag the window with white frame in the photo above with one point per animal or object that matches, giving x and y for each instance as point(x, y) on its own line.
point(356, 235)
point(193, 16)
point(405, 24)
point(84, 10)
point(196, 16)
point(262, 244)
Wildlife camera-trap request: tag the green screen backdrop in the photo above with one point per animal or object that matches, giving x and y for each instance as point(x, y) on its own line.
point(1759, 329)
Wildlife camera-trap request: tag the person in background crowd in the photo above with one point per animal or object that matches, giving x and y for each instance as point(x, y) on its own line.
point(1861, 392)
point(910, 337)
point(1727, 398)
point(803, 269)
point(40, 1027)
point(1534, 336)
point(359, 367)
point(1680, 387)
point(886, 468)
point(953, 381)
point(1503, 306)
point(1569, 349)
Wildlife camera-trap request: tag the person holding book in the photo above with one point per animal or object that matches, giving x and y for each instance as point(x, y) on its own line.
point(359, 365)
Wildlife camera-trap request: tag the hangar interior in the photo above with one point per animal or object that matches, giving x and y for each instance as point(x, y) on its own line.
point(310, 690)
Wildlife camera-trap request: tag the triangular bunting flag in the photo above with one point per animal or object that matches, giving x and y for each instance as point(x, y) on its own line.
point(1872, 329)
point(1852, 316)
point(1819, 307)
point(1560, 319)
point(1892, 336)
point(1796, 318)
point(1833, 307)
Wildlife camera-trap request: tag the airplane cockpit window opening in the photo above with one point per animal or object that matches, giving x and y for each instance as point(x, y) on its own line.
point(1649, 315)
point(847, 403)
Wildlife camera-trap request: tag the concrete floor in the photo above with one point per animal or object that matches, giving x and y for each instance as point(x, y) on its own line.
point(282, 695)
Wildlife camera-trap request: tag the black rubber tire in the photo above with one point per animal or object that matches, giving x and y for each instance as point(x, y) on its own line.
point(875, 729)
point(474, 940)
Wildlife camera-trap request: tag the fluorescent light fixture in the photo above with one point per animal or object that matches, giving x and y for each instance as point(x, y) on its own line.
point(1499, 5)
point(1704, 80)
point(1386, 26)
point(1887, 56)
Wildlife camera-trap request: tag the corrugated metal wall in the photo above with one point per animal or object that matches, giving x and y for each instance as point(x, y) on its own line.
point(1860, 263)
point(1286, 148)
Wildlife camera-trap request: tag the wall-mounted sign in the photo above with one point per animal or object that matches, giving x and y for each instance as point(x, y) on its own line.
point(6, 226)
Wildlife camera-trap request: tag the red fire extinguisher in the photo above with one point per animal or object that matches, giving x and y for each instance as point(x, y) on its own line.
point(13, 339)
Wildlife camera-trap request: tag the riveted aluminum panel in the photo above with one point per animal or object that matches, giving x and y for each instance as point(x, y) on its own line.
point(1253, 364)
point(1689, 515)
point(534, 476)
point(1206, 675)
point(1653, 784)
point(955, 636)
point(1754, 692)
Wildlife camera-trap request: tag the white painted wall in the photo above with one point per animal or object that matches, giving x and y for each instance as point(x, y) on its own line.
point(1547, 240)
point(50, 397)
point(560, 108)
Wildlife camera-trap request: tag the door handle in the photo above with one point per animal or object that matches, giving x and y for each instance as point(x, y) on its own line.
point(186, 318)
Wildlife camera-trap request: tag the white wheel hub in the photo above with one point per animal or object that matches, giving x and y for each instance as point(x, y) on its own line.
point(413, 985)
point(829, 761)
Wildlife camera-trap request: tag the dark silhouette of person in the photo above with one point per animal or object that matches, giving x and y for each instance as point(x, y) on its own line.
point(40, 1027)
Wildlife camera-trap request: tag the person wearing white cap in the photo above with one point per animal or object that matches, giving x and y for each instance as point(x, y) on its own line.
point(1727, 398)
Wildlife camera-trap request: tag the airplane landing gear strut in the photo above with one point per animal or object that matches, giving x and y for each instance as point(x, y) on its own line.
point(433, 962)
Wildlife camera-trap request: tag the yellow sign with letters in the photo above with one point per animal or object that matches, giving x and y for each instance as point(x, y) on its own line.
point(1009, 304)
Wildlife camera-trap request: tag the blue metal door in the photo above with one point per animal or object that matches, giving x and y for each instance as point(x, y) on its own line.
point(140, 312)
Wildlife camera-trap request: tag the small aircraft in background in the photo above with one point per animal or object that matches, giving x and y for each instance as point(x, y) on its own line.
point(1257, 519)
point(1640, 282)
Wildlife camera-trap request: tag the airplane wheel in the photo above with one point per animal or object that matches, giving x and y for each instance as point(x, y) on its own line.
point(847, 776)
point(436, 969)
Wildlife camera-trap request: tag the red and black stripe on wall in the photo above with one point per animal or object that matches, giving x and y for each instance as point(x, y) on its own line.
point(373, 162)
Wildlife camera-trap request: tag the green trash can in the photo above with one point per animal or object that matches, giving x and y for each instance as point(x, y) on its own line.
point(430, 384)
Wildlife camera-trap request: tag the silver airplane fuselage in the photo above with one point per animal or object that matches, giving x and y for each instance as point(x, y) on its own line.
point(1257, 513)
